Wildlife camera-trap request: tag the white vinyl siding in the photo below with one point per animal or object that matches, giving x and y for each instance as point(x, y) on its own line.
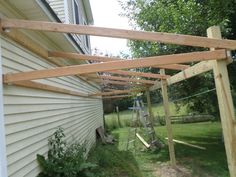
point(58, 7)
point(68, 15)
point(32, 115)
point(80, 39)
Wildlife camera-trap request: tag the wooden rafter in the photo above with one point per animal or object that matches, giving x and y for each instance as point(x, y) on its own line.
point(77, 56)
point(116, 92)
point(117, 96)
point(194, 70)
point(173, 67)
point(112, 82)
point(120, 83)
point(139, 74)
point(33, 46)
point(127, 79)
point(119, 33)
point(116, 65)
point(109, 89)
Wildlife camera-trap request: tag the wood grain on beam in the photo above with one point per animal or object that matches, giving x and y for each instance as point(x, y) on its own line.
point(194, 70)
point(173, 67)
point(116, 65)
point(117, 96)
point(77, 56)
point(112, 82)
point(140, 74)
point(226, 106)
point(119, 33)
point(166, 106)
point(127, 79)
point(116, 92)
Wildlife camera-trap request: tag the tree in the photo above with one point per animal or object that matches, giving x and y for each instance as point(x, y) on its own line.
point(184, 17)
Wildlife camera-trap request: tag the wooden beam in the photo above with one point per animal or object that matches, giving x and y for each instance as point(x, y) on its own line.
point(113, 82)
point(156, 86)
point(127, 79)
point(110, 89)
point(139, 74)
point(118, 96)
point(188, 144)
point(118, 82)
point(226, 106)
point(29, 44)
point(37, 85)
point(116, 92)
point(119, 33)
point(173, 67)
point(77, 56)
point(115, 65)
point(143, 141)
point(103, 59)
point(194, 70)
point(33, 46)
point(168, 120)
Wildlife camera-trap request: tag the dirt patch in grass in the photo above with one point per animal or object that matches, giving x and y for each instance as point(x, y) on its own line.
point(165, 170)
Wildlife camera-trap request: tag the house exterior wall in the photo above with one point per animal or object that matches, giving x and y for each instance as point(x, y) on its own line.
point(59, 8)
point(3, 160)
point(65, 12)
point(32, 115)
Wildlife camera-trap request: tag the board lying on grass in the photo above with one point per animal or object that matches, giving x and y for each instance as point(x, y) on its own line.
point(143, 141)
point(188, 144)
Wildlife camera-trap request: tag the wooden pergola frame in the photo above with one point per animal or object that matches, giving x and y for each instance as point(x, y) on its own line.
point(216, 59)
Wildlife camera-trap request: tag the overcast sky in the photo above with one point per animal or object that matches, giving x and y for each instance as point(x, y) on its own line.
point(106, 14)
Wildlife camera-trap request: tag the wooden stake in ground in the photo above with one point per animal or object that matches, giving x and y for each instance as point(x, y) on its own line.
point(149, 105)
point(168, 121)
point(225, 105)
point(118, 116)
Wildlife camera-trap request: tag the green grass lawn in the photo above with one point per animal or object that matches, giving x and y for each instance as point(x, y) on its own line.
point(210, 162)
point(125, 116)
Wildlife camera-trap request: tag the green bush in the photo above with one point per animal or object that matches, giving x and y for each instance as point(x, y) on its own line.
point(65, 160)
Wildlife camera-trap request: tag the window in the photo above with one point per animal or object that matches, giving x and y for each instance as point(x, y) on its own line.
point(76, 12)
point(87, 41)
point(86, 37)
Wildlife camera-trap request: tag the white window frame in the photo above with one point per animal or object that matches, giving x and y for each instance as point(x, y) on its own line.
point(73, 11)
point(66, 9)
point(86, 38)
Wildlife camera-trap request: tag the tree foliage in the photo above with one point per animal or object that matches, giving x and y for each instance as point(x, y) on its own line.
point(191, 17)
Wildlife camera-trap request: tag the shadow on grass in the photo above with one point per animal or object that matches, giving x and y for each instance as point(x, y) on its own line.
point(114, 162)
point(209, 162)
point(212, 160)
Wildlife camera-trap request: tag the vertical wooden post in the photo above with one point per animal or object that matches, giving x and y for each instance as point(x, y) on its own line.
point(149, 105)
point(168, 121)
point(225, 104)
point(118, 116)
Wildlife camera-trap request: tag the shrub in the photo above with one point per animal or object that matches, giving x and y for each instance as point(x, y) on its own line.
point(64, 160)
